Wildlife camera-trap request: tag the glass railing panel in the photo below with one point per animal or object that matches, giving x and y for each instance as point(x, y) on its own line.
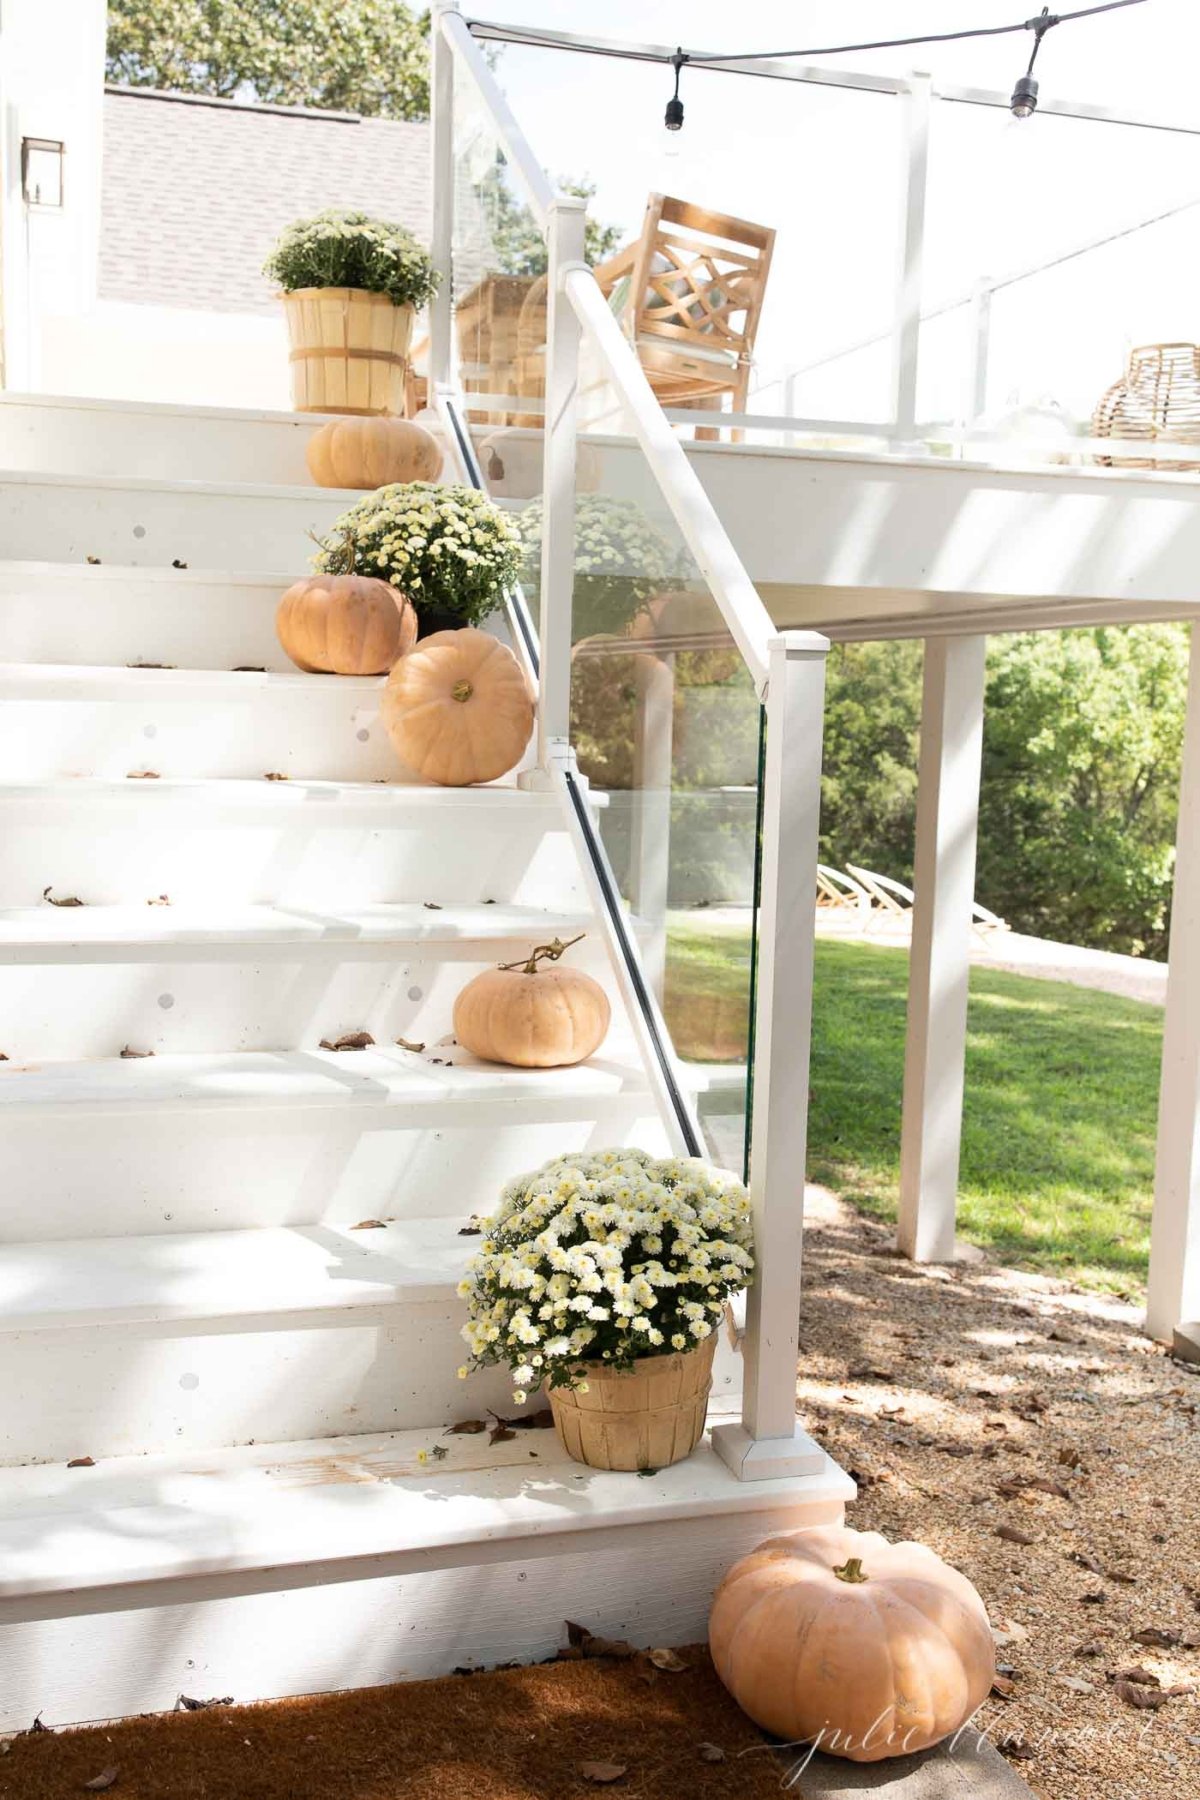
point(665, 725)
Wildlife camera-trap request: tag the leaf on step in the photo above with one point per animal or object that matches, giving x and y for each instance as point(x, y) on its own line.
point(274, 775)
point(1017, 1749)
point(500, 1433)
point(249, 669)
point(100, 1783)
point(1003, 1687)
point(94, 560)
point(369, 1225)
point(580, 1639)
point(4, 1056)
point(712, 1753)
point(71, 899)
point(405, 1044)
point(1155, 1638)
point(669, 1661)
point(82, 1462)
point(467, 1428)
point(129, 1054)
point(1013, 1535)
point(160, 900)
point(350, 1040)
point(143, 775)
point(647, 1472)
point(433, 905)
point(149, 665)
point(1138, 1674)
point(177, 563)
point(473, 1229)
point(185, 1703)
point(603, 1773)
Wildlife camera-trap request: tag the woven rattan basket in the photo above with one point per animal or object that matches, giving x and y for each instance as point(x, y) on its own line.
point(647, 1418)
point(349, 350)
point(1156, 401)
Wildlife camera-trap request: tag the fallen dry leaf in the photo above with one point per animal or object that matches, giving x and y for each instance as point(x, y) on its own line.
point(159, 900)
point(70, 900)
point(143, 775)
point(467, 1427)
point(712, 1753)
point(1012, 1535)
point(1016, 1749)
point(500, 1433)
point(602, 1773)
point(1003, 1687)
point(81, 1462)
point(105, 1779)
point(129, 1054)
point(185, 1703)
point(1133, 1693)
point(588, 1644)
point(274, 775)
point(1094, 1648)
point(349, 1040)
point(668, 1660)
point(406, 1045)
point(369, 1225)
point(1155, 1638)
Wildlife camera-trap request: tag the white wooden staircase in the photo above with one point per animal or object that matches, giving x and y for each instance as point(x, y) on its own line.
point(228, 1322)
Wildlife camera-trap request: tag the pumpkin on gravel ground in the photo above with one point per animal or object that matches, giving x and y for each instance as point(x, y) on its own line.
point(531, 1017)
point(870, 1648)
point(458, 708)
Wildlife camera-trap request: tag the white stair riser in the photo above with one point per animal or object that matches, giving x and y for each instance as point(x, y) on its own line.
point(251, 999)
point(142, 841)
point(112, 617)
point(69, 520)
point(126, 1391)
point(154, 442)
point(325, 732)
point(490, 1607)
point(153, 1170)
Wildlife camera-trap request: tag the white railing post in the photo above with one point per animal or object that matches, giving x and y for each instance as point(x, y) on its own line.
point(980, 332)
point(906, 330)
point(564, 234)
point(1173, 1289)
point(939, 961)
point(441, 100)
point(768, 1441)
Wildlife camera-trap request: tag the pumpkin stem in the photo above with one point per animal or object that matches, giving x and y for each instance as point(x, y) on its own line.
point(851, 1570)
point(462, 690)
point(551, 953)
point(341, 555)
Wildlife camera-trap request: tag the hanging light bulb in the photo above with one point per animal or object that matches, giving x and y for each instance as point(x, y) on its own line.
point(674, 114)
point(1025, 94)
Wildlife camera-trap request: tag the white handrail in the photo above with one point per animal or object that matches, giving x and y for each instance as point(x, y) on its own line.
point(532, 177)
point(736, 595)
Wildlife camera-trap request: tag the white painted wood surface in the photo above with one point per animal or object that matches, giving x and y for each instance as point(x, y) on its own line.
point(768, 1442)
point(565, 227)
point(1173, 1289)
point(939, 961)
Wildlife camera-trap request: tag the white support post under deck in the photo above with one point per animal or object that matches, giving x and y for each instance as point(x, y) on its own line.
point(1173, 1289)
point(768, 1441)
point(944, 888)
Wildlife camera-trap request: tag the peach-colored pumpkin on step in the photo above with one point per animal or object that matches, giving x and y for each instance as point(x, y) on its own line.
point(876, 1649)
point(370, 453)
point(458, 708)
point(530, 1016)
point(345, 625)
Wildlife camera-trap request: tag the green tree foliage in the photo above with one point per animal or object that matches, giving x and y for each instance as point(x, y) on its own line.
point(365, 56)
point(517, 239)
point(1083, 734)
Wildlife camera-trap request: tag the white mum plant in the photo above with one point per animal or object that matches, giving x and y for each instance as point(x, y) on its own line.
point(605, 1256)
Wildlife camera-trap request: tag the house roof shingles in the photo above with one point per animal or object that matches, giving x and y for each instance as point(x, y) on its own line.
point(195, 192)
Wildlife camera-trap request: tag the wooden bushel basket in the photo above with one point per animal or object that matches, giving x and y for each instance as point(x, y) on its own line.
point(647, 1418)
point(349, 350)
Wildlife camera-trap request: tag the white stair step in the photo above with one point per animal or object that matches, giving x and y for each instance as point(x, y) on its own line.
point(338, 1563)
point(236, 842)
point(146, 438)
point(254, 1277)
point(82, 982)
point(62, 721)
point(151, 522)
point(206, 1142)
point(139, 1344)
point(92, 934)
point(201, 618)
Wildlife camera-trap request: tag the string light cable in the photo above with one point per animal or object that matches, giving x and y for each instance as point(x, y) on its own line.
point(1024, 97)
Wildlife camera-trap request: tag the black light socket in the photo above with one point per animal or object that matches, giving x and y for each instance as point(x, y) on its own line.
point(674, 116)
point(1024, 97)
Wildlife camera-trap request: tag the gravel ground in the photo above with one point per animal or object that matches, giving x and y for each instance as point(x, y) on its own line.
point(1038, 1442)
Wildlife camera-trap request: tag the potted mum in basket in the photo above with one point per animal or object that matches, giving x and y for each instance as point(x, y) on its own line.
point(449, 549)
point(351, 288)
point(605, 1276)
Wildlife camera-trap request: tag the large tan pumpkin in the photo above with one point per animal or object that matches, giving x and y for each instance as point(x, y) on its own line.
point(370, 453)
point(530, 1016)
point(345, 625)
point(875, 1649)
point(458, 708)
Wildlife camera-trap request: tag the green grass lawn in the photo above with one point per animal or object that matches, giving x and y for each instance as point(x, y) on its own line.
point(1061, 1098)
